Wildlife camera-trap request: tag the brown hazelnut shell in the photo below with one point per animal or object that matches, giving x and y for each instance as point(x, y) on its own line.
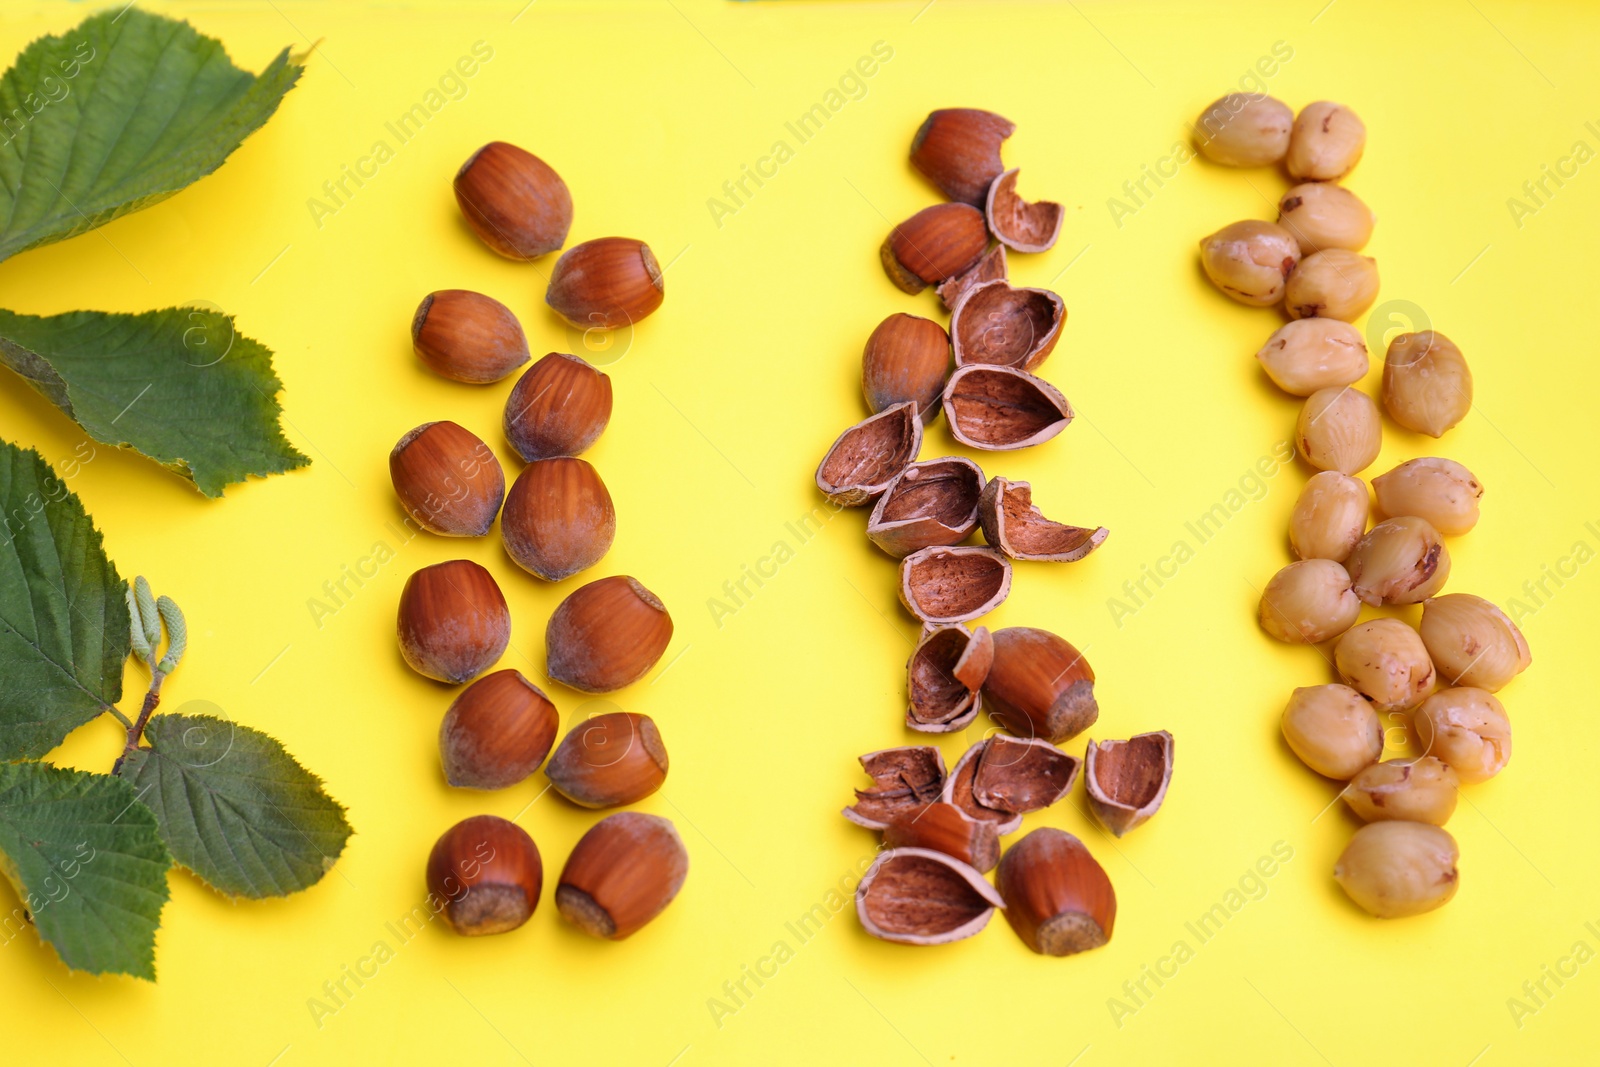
point(1002, 408)
point(946, 828)
point(447, 479)
point(453, 621)
point(906, 359)
point(622, 874)
point(935, 244)
point(1127, 780)
point(467, 337)
point(496, 732)
point(558, 518)
point(606, 635)
point(1013, 525)
point(990, 268)
point(1017, 223)
point(1020, 775)
point(928, 504)
point(904, 781)
point(610, 760)
point(916, 896)
point(999, 325)
point(958, 790)
point(606, 283)
point(869, 455)
point(559, 407)
point(486, 875)
point(1039, 685)
point(1058, 898)
point(954, 584)
point(514, 201)
point(944, 677)
point(958, 149)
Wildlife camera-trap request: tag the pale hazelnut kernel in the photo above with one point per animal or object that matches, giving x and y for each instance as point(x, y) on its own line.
point(1399, 561)
point(1385, 661)
point(1466, 728)
point(1439, 490)
point(1249, 261)
point(1306, 355)
point(1325, 143)
point(1339, 430)
point(1473, 642)
point(1244, 130)
point(1420, 790)
point(1394, 869)
point(1335, 283)
point(1323, 215)
point(1332, 729)
point(1427, 385)
point(1309, 602)
point(1329, 517)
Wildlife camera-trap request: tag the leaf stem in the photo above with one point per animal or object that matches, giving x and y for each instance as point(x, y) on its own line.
point(152, 699)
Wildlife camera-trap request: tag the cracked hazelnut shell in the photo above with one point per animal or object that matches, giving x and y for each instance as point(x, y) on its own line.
point(944, 676)
point(497, 732)
point(487, 873)
point(514, 201)
point(928, 504)
point(453, 621)
point(467, 337)
point(447, 479)
point(904, 781)
point(606, 283)
point(559, 407)
point(990, 268)
point(864, 459)
point(946, 828)
point(959, 789)
point(998, 324)
point(1039, 685)
point(558, 518)
point(906, 359)
point(1127, 780)
point(1058, 898)
point(954, 584)
point(1012, 524)
point(622, 874)
point(1018, 224)
point(934, 245)
point(610, 760)
point(606, 635)
point(1021, 775)
point(958, 149)
point(1002, 408)
point(916, 896)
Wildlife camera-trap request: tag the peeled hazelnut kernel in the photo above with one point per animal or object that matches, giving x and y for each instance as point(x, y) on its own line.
point(944, 676)
point(467, 337)
point(1127, 780)
point(1244, 130)
point(1027, 227)
point(486, 874)
point(1398, 561)
point(1309, 602)
point(1385, 661)
point(609, 760)
point(1002, 409)
point(906, 359)
point(1441, 491)
point(1394, 869)
point(496, 732)
point(959, 151)
point(999, 324)
point(1058, 898)
point(935, 244)
point(1039, 685)
point(1472, 642)
point(866, 458)
point(904, 781)
point(1323, 215)
point(447, 479)
point(940, 585)
point(917, 896)
point(1427, 385)
point(1329, 516)
point(990, 268)
point(927, 504)
point(558, 518)
point(622, 874)
point(1250, 261)
point(454, 623)
point(513, 201)
point(946, 828)
point(1325, 143)
point(1420, 790)
point(1332, 729)
point(1306, 355)
point(1466, 728)
point(605, 284)
point(559, 407)
point(606, 635)
point(1332, 284)
point(1012, 524)
point(1339, 430)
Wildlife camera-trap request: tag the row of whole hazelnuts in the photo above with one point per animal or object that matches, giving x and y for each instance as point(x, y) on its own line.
point(1401, 862)
point(941, 831)
point(556, 520)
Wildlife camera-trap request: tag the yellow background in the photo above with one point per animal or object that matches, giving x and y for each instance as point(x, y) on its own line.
point(725, 399)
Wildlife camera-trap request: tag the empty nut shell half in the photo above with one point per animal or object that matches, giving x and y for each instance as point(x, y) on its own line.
point(514, 201)
point(916, 896)
point(927, 504)
point(944, 676)
point(1013, 525)
point(606, 635)
point(1019, 224)
point(906, 359)
point(1058, 898)
point(904, 781)
point(454, 623)
point(447, 479)
point(1427, 385)
point(1002, 408)
point(559, 407)
point(1398, 561)
point(991, 267)
point(1472, 642)
point(609, 760)
point(996, 324)
point(1019, 775)
point(467, 337)
point(954, 584)
point(1039, 685)
point(622, 874)
point(959, 150)
point(869, 455)
point(946, 828)
point(605, 284)
point(558, 518)
point(496, 732)
point(1127, 780)
point(959, 788)
point(934, 245)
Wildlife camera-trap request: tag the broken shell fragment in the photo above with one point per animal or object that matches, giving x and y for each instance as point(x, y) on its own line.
point(958, 148)
point(869, 455)
point(959, 790)
point(917, 896)
point(927, 504)
point(934, 245)
point(906, 358)
point(1017, 223)
point(946, 828)
point(1002, 408)
point(944, 675)
point(991, 267)
point(996, 324)
point(904, 781)
point(1039, 685)
point(1013, 525)
point(1019, 775)
point(1127, 780)
point(1058, 898)
point(954, 584)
